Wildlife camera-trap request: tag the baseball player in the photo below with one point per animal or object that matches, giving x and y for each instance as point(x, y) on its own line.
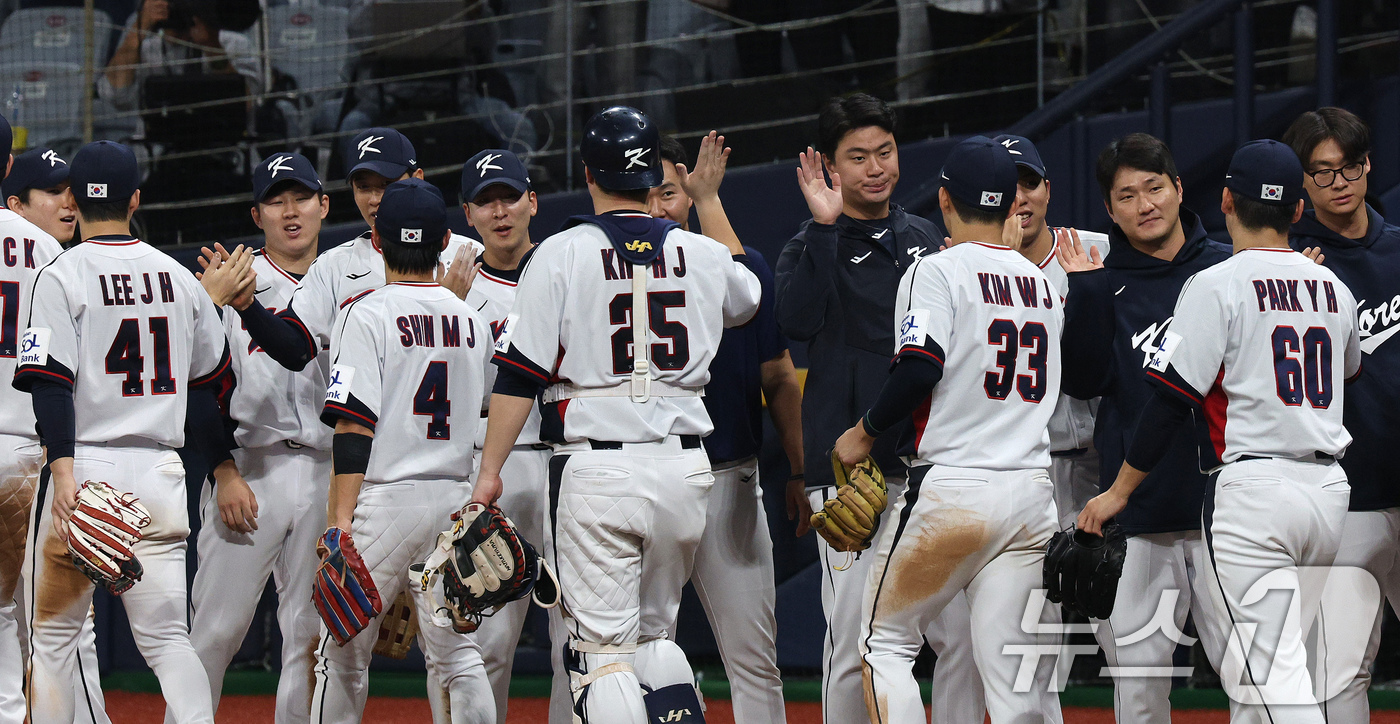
point(499, 204)
point(836, 282)
point(1116, 314)
point(266, 508)
point(1260, 347)
point(1364, 252)
point(1074, 463)
point(37, 189)
point(629, 482)
point(118, 336)
point(733, 573)
point(974, 518)
point(404, 358)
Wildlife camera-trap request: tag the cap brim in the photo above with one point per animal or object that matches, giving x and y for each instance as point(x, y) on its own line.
point(391, 171)
point(51, 178)
point(262, 196)
point(1039, 170)
point(635, 181)
point(516, 184)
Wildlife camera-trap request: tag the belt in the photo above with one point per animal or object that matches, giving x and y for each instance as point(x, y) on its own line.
point(1317, 457)
point(688, 442)
point(293, 445)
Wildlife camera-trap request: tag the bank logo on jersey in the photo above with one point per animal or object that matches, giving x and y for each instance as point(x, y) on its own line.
point(411, 236)
point(1270, 192)
point(97, 191)
point(637, 246)
point(1377, 324)
point(1147, 340)
point(485, 164)
point(278, 165)
point(991, 198)
point(634, 157)
point(502, 344)
point(367, 145)
point(338, 389)
point(1163, 356)
point(913, 331)
point(34, 347)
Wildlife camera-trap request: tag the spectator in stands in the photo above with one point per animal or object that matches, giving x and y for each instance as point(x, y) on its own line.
point(817, 45)
point(377, 99)
point(171, 37)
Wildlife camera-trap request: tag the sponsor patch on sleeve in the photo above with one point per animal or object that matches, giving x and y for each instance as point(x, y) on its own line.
point(503, 338)
point(34, 347)
point(339, 388)
point(1163, 356)
point(914, 329)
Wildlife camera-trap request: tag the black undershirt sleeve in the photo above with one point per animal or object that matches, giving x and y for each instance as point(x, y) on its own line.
point(206, 428)
point(515, 384)
point(909, 383)
point(53, 409)
point(1157, 425)
point(350, 453)
point(279, 337)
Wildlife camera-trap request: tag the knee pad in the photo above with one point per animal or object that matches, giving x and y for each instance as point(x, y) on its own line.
point(677, 703)
point(587, 663)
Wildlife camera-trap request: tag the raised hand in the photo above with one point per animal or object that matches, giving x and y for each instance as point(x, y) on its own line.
point(458, 278)
point(702, 184)
point(824, 202)
point(228, 279)
point(1071, 252)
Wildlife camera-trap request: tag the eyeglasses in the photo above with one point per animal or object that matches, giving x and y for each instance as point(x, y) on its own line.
point(1325, 177)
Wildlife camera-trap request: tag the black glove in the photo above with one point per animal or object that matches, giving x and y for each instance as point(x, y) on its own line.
point(1082, 569)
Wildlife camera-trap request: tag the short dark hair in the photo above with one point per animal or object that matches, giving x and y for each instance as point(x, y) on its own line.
point(673, 151)
point(1311, 129)
point(410, 258)
point(972, 215)
point(103, 210)
point(22, 195)
point(634, 195)
point(1139, 151)
point(1258, 216)
point(841, 115)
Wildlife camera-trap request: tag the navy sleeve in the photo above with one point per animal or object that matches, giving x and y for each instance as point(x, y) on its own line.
point(910, 382)
point(806, 280)
point(515, 384)
point(1087, 342)
point(53, 409)
point(1156, 429)
point(207, 429)
point(771, 342)
point(283, 336)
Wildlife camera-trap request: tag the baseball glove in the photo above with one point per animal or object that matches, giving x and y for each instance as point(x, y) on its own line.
point(397, 629)
point(344, 593)
point(485, 564)
point(848, 522)
point(101, 532)
point(1082, 569)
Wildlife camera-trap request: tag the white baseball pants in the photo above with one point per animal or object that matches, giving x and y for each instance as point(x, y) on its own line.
point(733, 577)
point(957, 696)
point(155, 606)
point(1165, 577)
point(626, 524)
point(1264, 519)
point(954, 530)
point(395, 526)
point(291, 487)
point(1076, 479)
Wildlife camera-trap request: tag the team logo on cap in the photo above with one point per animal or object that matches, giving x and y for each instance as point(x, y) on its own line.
point(991, 198)
point(367, 145)
point(1008, 143)
point(411, 236)
point(97, 191)
point(485, 164)
point(634, 157)
point(279, 164)
point(52, 158)
point(1270, 192)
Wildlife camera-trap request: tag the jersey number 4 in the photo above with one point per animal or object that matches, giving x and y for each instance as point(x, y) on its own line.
point(1009, 341)
point(431, 401)
point(1312, 378)
point(125, 357)
point(620, 312)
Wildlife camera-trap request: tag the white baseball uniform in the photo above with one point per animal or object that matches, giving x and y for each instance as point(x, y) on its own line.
point(284, 455)
point(527, 469)
point(629, 481)
point(409, 363)
point(131, 331)
point(1263, 343)
point(975, 517)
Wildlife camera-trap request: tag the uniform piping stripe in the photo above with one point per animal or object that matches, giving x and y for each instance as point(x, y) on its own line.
point(279, 269)
point(1191, 395)
point(355, 298)
point(38, 371)
point(543, 378)
point(223, 365)
point(924, 352)
point(347, 411)
point(497, 280)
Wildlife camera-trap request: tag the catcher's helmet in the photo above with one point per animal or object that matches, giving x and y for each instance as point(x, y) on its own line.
point(621, 147)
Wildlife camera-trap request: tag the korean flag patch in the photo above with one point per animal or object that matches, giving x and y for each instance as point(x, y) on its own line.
point(34, 347)
point(411, 236)
point(913, 330)
point(1270, 192)
point(338, 390)
point(991, 198)
point(503, 336)
point(1163, 356)
point(97, 191)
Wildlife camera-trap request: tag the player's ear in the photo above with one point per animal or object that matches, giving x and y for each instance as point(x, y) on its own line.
point(945, 204)
point(467, 211)
point(534, 203)
point(134, 204)
point(446, 235)
point(1179, 192)
point(257, 216)
point(588, 177)
point(1227, 202)
point(418, 173)
point(325, 205)
point(13, 203)
point(374, 238)
point(1298, 210)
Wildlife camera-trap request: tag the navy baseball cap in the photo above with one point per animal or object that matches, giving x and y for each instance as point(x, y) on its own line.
point(1023, 152)
point(37, 168)
point(282, 167)
point(493, 166)
point(981, 173)
point(104, 171)
point(383, 151)
point(411, 212)
point(1266, 171)
point(7, 135)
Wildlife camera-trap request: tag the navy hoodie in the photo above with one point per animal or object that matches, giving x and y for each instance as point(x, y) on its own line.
point(1370, 267)
point(1115, 318)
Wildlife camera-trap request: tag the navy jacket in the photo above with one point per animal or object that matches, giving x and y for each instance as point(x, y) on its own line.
point(1114, 320)
point(1370, 267)
point(836, 290)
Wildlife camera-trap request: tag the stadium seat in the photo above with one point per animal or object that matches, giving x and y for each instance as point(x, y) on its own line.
point(53, 98)
point(52, 35)
point(307, 41)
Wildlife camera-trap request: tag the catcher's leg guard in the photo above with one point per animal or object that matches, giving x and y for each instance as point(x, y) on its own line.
point(604, 681)
point(669, 683)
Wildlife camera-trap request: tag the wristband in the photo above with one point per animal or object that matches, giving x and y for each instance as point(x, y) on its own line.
point(796, 476)
point(869, 428)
